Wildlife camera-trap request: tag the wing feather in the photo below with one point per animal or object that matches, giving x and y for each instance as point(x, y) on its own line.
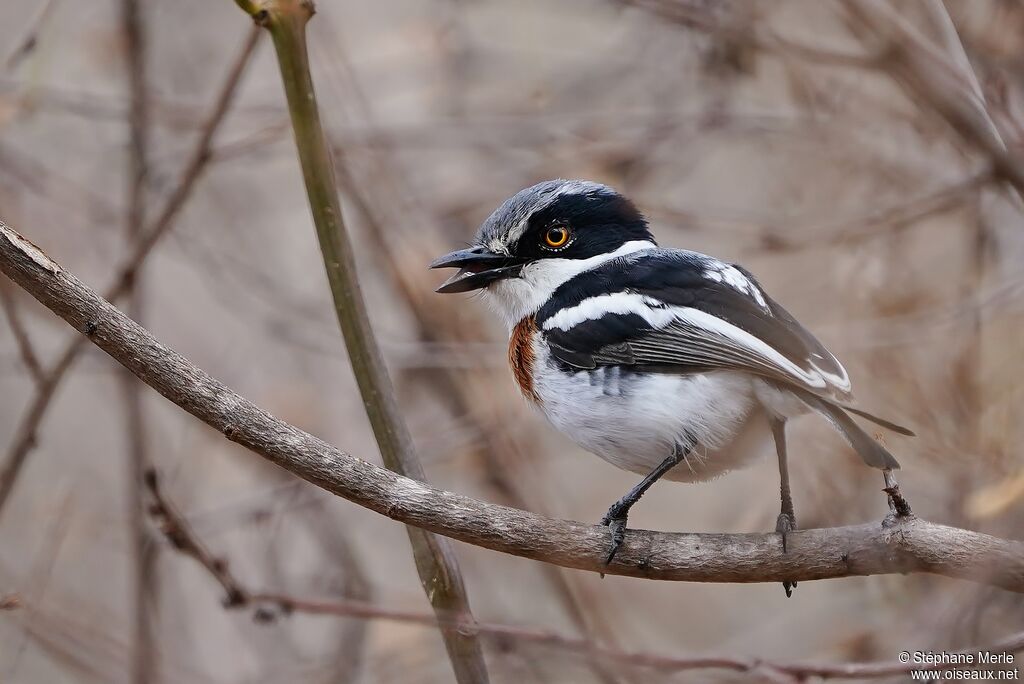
point(672, 311)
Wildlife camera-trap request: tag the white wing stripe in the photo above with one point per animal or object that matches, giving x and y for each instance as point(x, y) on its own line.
point(620, 303)
point(718, 326)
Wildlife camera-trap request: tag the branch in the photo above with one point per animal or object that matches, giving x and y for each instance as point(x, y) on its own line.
point(24, 45)
point(699, 18)
point(143, 588)
point(179, 534)
point(20, 333)
point(268, 605)
point(25, 433)
point(954, 95)
point(435, 560)
point(912, 545)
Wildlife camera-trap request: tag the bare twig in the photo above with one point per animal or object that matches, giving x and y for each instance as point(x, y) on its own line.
point(24, 45)
point(173, 525)
point(25, 433)
point(854, 230)
point(702, 17)
point(21, 338)
point(10, 602)
point(351, 643)
point(435, 559)
point(144, 586)
point(955, 48)
point(913, 64)
point(268, 605)
point(912, 545)
point(43, 181)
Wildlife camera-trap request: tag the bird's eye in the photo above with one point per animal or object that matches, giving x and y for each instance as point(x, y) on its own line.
point(556, 236)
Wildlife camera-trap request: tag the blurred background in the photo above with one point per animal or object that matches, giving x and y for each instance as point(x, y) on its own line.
point(779, 134)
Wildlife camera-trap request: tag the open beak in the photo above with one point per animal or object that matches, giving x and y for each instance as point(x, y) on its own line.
point(478, 267)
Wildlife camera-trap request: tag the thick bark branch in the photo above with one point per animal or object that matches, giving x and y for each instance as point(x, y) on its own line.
point(910, 546)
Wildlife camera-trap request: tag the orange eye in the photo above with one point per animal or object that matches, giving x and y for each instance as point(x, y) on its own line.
point(556, 236)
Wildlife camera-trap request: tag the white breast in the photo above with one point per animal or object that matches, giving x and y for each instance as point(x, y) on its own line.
point(632, 420)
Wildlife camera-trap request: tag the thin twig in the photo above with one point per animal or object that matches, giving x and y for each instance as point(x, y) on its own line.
point(701, 17)
point(177, 531)
point(911, 62)
point(270, 605)
point(955, 48)
point(911, 545)
point(28, 355)
point(851, 231)
point(24, 45)
point(41, 180)
point(10, 602)
point(435, 559)
point(25, 434)
point(143, 588)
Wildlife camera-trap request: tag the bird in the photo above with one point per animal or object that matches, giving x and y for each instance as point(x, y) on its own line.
point(667, 363)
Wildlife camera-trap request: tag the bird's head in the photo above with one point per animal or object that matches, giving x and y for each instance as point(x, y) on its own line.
point(540, 238)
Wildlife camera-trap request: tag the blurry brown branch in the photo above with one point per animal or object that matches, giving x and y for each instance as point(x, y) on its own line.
point(10, 602)
point(912, 545)
point(178, 532)
point(954, 95)
point(706, 18)
point(25, 434)
point(268, 606)
point(435, 559)
point(28, 355)
point(143, 589)
point(24, 45)
point(38, 179)
point(881, 220)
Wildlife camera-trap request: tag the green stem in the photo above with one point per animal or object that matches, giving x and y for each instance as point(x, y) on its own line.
point(435, 560)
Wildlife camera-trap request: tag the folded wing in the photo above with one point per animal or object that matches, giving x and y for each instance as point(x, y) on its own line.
point(684, 312)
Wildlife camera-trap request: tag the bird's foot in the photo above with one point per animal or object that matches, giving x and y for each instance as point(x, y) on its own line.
point(784, 524)
point(615, 519)
point(899, 507)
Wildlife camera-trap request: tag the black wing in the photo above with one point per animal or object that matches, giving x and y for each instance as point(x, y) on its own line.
point(680, 311)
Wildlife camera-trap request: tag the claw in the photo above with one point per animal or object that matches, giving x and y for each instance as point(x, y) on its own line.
point(615, 519)
point(784, 524)
point(618, 528)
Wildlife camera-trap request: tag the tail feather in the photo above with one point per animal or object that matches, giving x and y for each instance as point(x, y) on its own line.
point(880, 421)
point(872, 453)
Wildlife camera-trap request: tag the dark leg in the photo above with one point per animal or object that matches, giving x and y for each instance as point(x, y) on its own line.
point(616, 516)
point(898, 506)
point(786, 522)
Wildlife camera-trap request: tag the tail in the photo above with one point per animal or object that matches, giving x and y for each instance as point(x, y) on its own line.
point(873, 453)
point(881, 421)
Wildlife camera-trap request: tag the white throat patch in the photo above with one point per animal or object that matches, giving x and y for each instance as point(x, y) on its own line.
point(516, 298)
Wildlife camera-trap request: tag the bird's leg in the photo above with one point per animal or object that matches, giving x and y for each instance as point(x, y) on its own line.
point(786, 522)
point(616, 516)
point(898, 506)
